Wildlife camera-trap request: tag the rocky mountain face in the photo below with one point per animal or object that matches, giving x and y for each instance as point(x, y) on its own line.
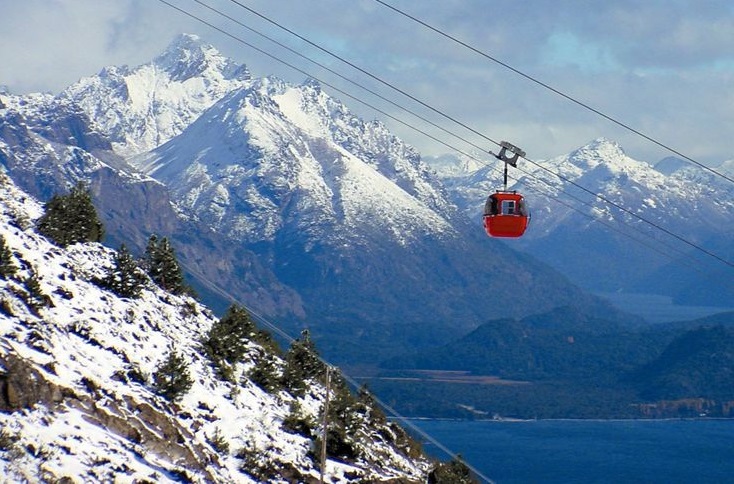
point(140, 108)
point(48, 143)
point(601, 247)
point(278, 196)
point(80, 396)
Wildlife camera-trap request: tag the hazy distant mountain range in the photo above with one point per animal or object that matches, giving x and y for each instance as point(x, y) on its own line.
point(603, 248)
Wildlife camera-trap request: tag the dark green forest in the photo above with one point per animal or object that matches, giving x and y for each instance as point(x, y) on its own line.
point(563, 364)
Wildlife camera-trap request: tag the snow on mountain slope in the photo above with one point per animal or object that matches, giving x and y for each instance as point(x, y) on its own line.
point(566, 232)
point(276, 155)
point(602, 167)
point(291, 203)
point(143, 107)
point(76, 399)
point(49, 142)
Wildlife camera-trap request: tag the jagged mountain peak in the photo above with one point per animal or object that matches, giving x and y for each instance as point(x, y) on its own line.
point(141, 108)
point(600, 151)
point(188, 56)
point(275, 154)
point(449, 166)
point(675, 195)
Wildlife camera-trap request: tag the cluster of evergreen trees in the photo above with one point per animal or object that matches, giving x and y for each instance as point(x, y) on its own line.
point(72, 218)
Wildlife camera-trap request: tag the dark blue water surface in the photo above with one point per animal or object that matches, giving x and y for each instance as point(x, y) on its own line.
point(590, 451)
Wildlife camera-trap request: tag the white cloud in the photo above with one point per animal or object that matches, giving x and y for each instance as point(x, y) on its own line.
point(663, 67)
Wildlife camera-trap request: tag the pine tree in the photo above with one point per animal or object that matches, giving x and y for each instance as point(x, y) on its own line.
point(7, 264)
point(36, 299)
point(226, 342)
point(302, 362)
point(298, 422)
point(367, 405)
point(71, 218)
point(172, 379)
point(266, 373)
point(163, 266)
point(454, 472)
point(150, 251)
point(125, 278)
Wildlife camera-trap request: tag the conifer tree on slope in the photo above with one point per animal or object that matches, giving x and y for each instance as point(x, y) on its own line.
point(125, 278)
point(172, 379)
point(72, 218)
point(162, 265)
point(302, 362)
point(7, 264)
point(226, 342)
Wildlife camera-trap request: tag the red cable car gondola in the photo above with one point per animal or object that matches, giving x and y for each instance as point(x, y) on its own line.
point(505, 212)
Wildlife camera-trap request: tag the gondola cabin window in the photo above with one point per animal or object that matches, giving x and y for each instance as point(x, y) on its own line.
point(509, 207)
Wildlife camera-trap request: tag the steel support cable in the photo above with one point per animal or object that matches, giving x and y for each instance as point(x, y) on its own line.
point(464, 125)
point(343, 77)
point(639, 217)
point(364, 71)
point(421, 131)
point(554, 90)
point(271, 325)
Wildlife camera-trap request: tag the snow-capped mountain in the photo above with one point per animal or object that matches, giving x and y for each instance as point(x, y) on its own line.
point(277, 195)
point(78, 399)
point(143, 107)
point(588, 238)
point(48, 143)
point(344, 212)
point(274, 146)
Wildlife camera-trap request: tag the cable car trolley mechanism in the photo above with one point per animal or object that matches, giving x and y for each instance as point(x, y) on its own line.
point(505, 212)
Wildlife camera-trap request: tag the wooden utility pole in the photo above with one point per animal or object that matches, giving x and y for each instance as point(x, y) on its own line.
point(325, 424)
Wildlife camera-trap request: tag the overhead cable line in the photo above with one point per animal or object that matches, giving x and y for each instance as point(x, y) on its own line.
point(364, 71)
point(341, 76)
point(604, 199)
point(222, 292)
point(380, 96)
point(274, 327)
point(464, 125)
point(554, 90)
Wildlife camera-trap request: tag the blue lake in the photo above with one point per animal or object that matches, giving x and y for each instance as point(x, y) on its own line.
point(590, 451)
point(659, 309)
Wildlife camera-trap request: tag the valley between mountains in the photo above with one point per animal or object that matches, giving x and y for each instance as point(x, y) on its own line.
point(277, 196)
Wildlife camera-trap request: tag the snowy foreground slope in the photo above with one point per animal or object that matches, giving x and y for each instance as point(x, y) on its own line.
point(71, 410)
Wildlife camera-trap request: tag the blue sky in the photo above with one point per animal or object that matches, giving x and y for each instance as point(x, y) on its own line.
point(663, 67)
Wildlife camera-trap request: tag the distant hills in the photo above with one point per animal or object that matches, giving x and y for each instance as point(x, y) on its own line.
point(565, 364)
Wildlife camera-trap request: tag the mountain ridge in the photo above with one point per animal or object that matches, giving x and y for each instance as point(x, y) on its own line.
point(622, 250)
point(280, 186)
